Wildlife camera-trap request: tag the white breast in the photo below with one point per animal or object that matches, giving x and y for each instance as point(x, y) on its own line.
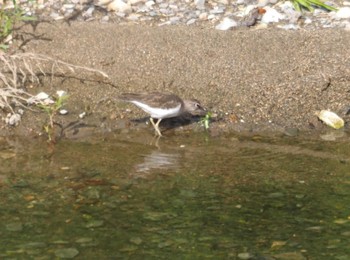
point(159, 112)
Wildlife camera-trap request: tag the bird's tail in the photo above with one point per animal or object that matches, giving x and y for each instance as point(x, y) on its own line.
point(128, 96)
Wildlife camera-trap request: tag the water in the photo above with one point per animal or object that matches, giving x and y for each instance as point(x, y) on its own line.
point(183, 197)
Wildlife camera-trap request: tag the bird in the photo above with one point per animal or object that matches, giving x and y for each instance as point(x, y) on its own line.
point(163, 105)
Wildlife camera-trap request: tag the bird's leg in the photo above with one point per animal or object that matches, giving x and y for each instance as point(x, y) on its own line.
point(156, 126)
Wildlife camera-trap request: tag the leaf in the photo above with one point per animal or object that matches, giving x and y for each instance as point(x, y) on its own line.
point(298, 4)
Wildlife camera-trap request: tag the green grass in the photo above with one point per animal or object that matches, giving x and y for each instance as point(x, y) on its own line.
point(8, 18)
point(310, 4)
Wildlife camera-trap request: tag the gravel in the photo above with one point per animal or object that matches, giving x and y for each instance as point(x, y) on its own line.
point(220, 14)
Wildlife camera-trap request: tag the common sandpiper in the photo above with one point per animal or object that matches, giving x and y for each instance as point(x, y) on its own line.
point(160, 106)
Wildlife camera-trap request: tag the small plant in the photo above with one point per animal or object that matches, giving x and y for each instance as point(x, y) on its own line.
point(52, 107)
point(206, 120)
point(8, 18)
point(307, 4)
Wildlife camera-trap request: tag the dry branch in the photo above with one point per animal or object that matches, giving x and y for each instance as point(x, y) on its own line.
point(17, 69)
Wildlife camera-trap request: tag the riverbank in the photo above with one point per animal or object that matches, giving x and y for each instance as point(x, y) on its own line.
point(252, 80)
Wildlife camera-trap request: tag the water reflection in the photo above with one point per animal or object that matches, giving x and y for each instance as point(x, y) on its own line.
point(158, 160)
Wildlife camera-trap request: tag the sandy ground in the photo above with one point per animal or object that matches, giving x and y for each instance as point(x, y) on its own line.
point(253, 80)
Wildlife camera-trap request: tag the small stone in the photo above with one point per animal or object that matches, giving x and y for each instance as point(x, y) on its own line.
point(149, 3)
point(136, 240)
point(63, 112)
point(68, 6)
point(66, 252)
point(308, 21)
point(42, 96)
point(245, 256)
point(191, 21)
point(203, 16)
point(13, 119)
point(89, 11)
point(199, 4)
point(226, 24)
point(343, 13)
point(271, 16)
point(135, 2)
point(105, 19)
point(119, 6)
point(94, 224)
point(61, 93)
point(82, 115)
point(14, 227)
point(84, 240)
point(217, 10)
point(291, 15)
point(212, 17)
point(262, 3)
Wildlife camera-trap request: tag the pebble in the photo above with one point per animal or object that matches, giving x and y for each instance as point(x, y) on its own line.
point(343, 13)
point(13, 119)
point(66, 252)
point(226, 24)
point(63, 112)
point(245, 256)
point(216, 14)
point(271, 16)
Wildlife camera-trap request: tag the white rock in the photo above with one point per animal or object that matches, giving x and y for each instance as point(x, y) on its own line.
point(61, 93)
point(343, 13)
point(226, 24)
point(48, 101)
point(271, 16)
point(211, 17)
point(89, 11)
point(217, 10)
point(308, 21)
point(165, 23)
point(103, 2)
point(262, 3)
point(191, 21)
point(149, 3)
point(134, 2)
point(13, 119)
point(42, 96)
point(105, 19)
point(63, 112)
point(291, 15)
point(68, 6)
point(82, 115)
point(203, 16)
point(199, 4)
point(119, 6)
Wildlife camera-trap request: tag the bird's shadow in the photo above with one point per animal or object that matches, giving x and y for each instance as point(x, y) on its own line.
point(171, 123)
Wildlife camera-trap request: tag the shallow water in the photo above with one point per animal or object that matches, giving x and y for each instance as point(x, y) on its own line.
point(181, 197)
